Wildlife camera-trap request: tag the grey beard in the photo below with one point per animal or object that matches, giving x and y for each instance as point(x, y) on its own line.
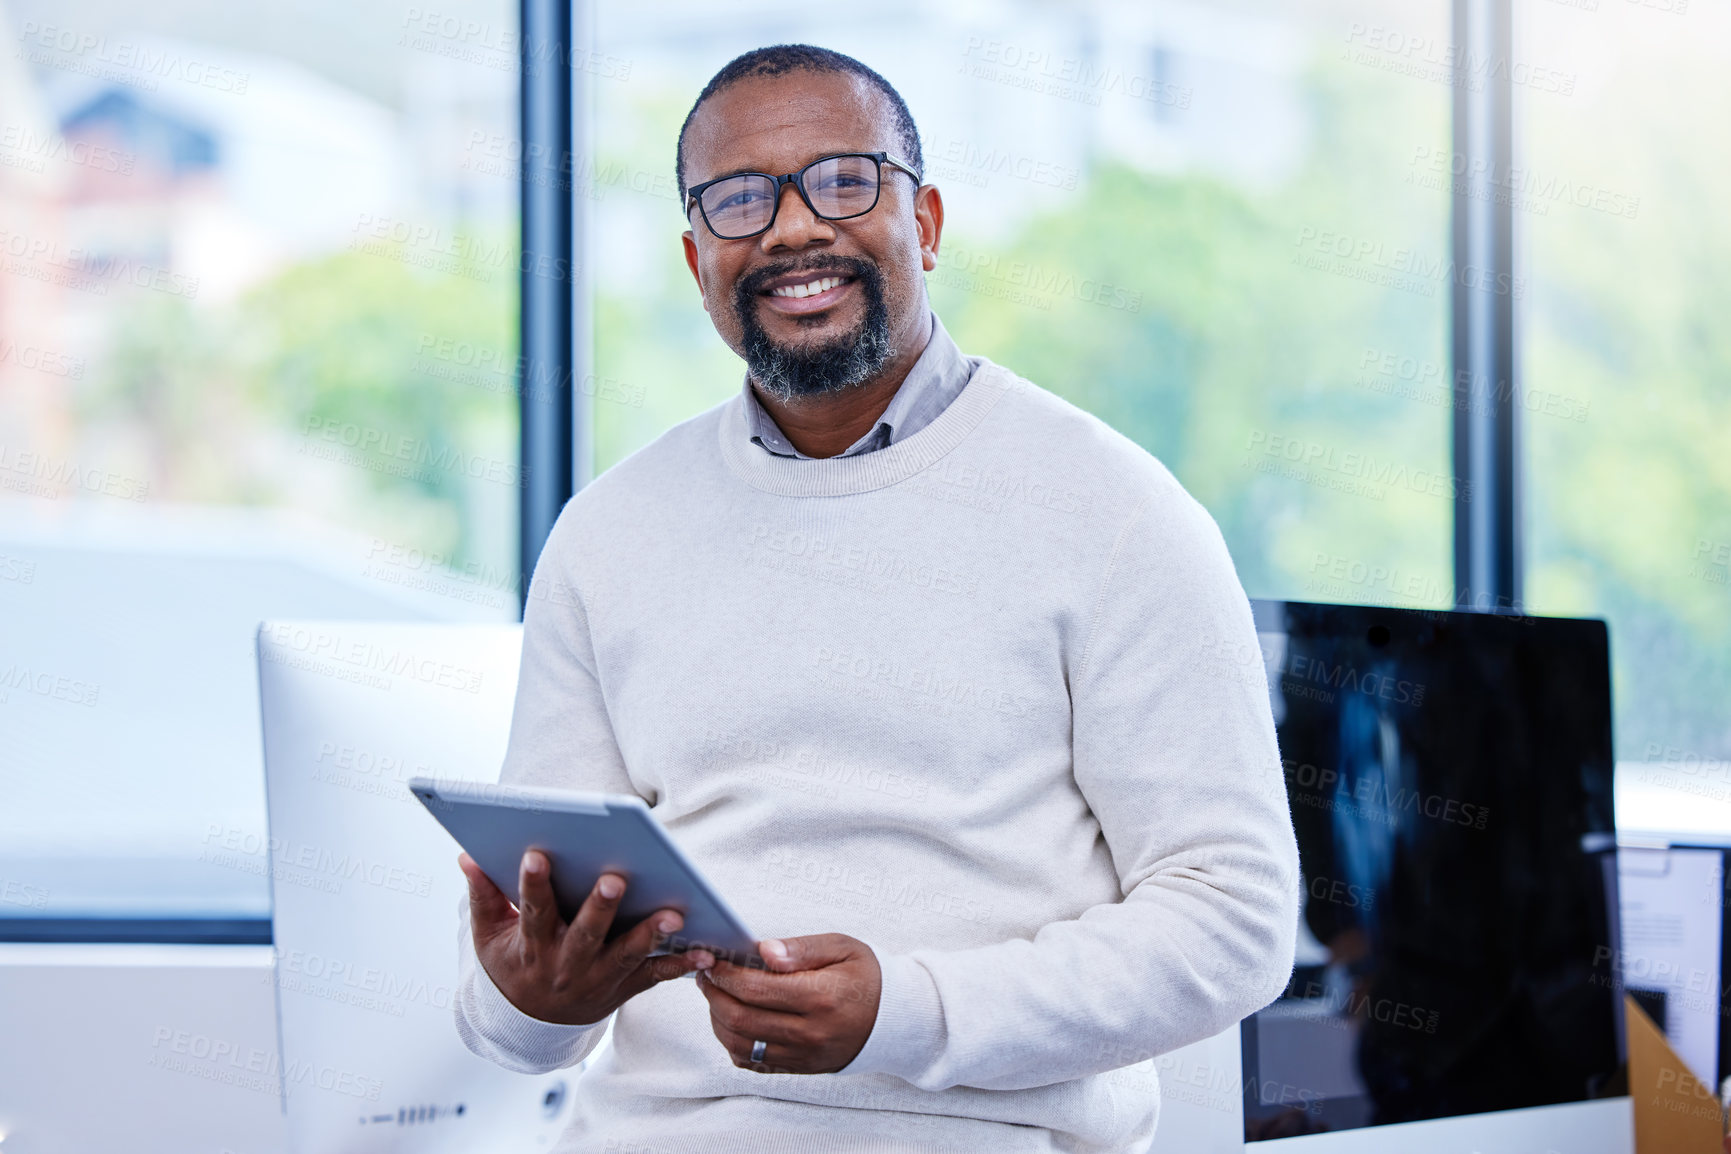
point(851, 359)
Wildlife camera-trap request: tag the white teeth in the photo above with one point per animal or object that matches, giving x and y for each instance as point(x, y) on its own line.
point(810, 288)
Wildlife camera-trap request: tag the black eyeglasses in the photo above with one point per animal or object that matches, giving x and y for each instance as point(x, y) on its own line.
point(833, 187)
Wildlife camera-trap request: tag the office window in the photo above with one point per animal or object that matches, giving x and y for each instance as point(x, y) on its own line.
point(1627, 389)
point(258, 301)
point(1223, 228)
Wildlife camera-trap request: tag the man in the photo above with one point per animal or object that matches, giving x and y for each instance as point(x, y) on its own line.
point(943, 683)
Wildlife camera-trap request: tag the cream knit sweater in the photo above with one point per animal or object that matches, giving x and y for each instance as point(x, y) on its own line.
point(989, 700)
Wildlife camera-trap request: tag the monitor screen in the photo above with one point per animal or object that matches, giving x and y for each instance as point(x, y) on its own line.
point(1450, 777)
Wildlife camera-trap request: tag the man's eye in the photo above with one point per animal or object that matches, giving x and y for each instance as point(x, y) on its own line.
point(843, 182)
point(744, 198)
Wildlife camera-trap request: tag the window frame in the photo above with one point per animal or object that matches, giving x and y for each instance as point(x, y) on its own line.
point(1483, 333)
point(556, 428)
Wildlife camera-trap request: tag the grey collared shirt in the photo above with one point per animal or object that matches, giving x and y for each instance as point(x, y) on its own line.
point(936, 379)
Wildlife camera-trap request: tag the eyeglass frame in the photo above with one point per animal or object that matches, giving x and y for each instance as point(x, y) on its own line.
point(694, 194)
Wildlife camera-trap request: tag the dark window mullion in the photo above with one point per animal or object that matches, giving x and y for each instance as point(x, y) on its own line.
point(1483, 298)
point(554, 326)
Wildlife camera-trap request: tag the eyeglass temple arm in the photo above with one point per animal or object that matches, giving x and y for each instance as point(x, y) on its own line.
point(890, 158)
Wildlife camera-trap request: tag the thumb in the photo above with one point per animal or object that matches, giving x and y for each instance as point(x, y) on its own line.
point(489, 908)
point(787, 955)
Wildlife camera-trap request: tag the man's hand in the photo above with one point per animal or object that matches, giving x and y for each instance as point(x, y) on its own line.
point(567, 972)
point(814, 1007)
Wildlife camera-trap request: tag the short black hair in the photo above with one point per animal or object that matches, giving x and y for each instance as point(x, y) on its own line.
point(782, 58)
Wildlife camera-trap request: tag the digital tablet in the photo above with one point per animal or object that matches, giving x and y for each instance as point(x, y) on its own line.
point(585, 835)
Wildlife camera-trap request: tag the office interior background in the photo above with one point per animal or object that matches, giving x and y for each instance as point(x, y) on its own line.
point(261, 275)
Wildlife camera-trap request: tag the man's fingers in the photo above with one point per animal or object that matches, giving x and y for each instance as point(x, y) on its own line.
point(630, 949)
point(654, 971)
point(812, 952)
point(790, 993)
point(594, 918)
point(738, 1046)
point(535, 900)
point(778, 1058)
point(665, 969)
point(489, 908)
point(752, 1022)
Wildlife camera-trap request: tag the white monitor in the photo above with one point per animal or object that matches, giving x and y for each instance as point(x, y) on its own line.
point(366, 888)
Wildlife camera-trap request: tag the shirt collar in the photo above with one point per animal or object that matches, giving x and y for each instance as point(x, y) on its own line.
point(938, 376)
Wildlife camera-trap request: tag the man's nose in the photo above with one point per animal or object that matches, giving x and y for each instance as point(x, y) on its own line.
point(796, 226)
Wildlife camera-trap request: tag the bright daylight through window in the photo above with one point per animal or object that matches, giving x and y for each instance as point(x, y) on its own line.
point(257, 344)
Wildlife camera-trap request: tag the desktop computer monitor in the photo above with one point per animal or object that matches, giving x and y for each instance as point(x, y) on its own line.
point(1450, 778)
point(366, 888)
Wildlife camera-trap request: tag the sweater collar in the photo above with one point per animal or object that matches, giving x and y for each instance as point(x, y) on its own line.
point(863, 472)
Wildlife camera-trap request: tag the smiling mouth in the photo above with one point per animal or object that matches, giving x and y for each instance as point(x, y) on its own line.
point(807, 296)
point(809, 288)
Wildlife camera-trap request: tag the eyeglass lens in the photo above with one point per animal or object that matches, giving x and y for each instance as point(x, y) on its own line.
point(838, 187)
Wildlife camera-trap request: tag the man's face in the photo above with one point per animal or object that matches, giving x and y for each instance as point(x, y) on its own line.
point(875, 313)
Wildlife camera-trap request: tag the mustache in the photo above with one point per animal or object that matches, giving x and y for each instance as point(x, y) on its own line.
point(842, 362)
point(753, 282)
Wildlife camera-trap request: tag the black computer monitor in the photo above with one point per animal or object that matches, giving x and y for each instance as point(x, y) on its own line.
point(1450, 777)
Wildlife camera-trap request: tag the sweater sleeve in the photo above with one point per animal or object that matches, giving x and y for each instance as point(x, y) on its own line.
point(560, 736)
point(1174, 750)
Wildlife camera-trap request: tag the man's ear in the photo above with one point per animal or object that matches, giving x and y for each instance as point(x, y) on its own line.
point(929, 218)
point(690, 241)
